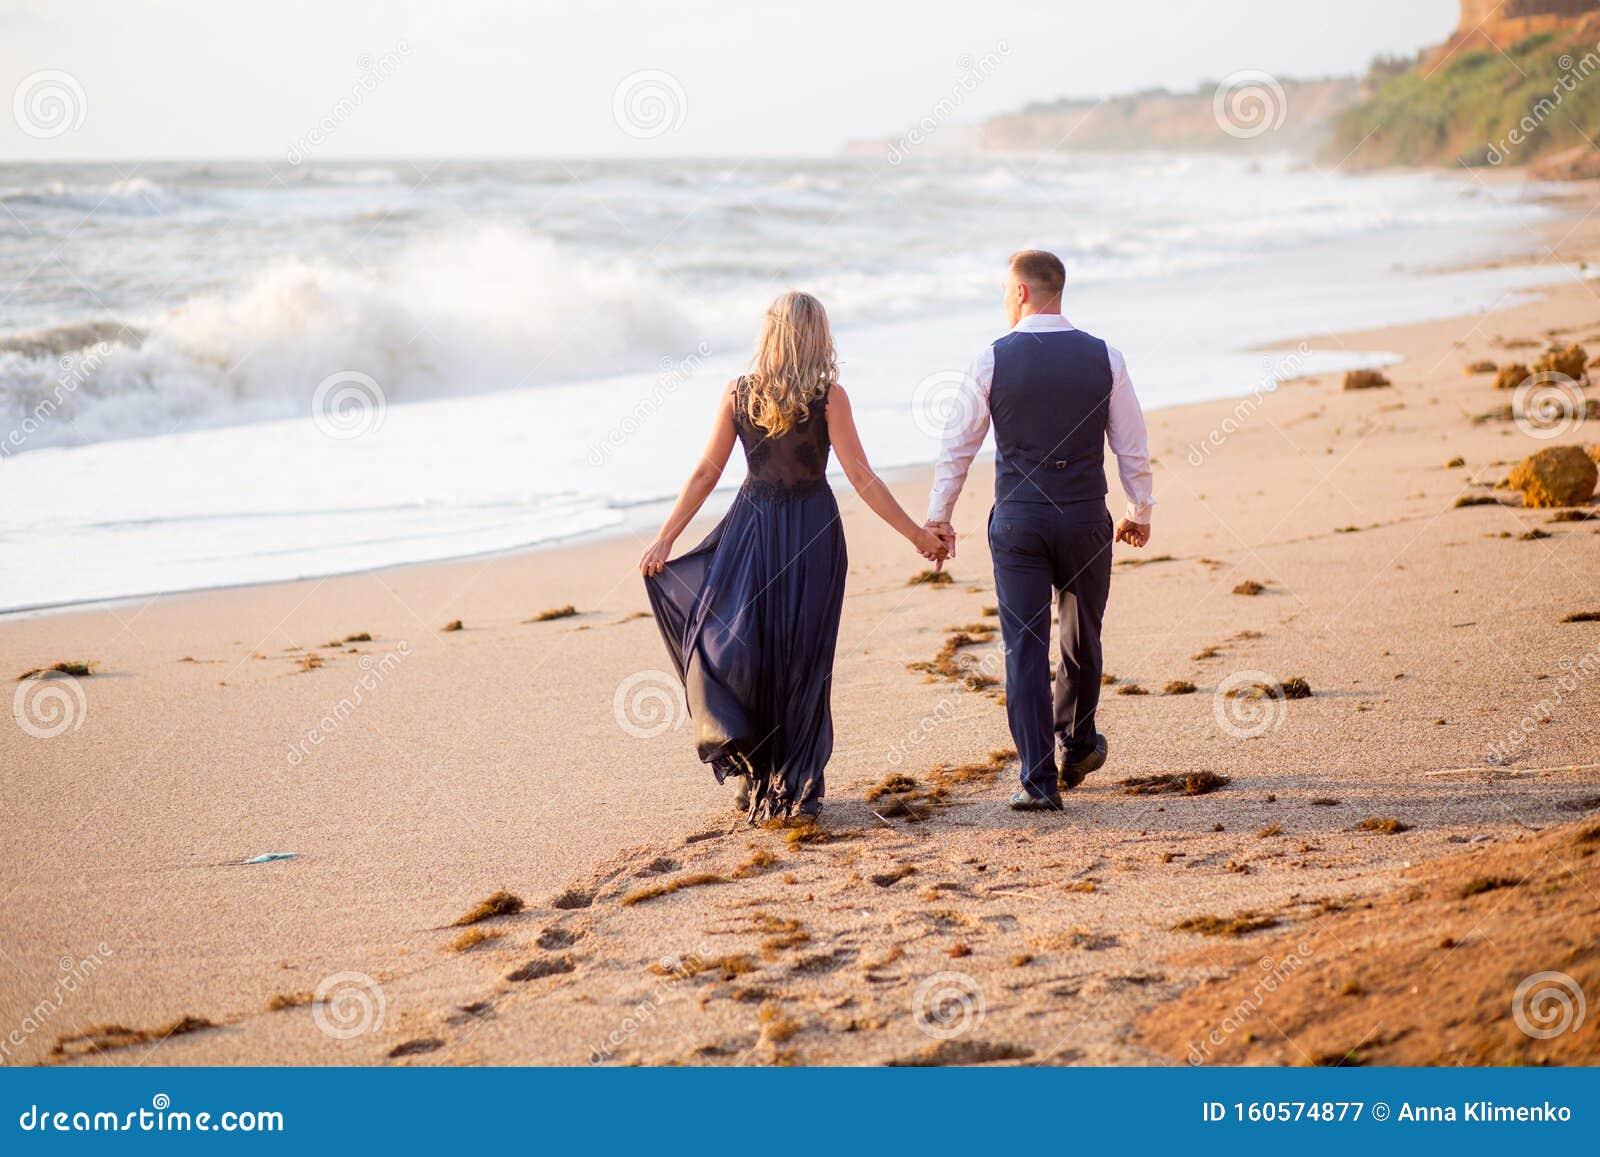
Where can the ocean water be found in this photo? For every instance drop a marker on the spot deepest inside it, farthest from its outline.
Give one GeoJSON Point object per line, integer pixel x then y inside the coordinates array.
{"type": "Point", "coordinates": [230, 373]}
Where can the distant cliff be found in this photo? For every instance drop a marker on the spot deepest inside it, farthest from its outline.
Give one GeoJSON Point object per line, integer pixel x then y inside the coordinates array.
{"type": "Point", "coordinates": [1522, 88]}
{"type": "Point", "coordinates": [1502, 23]}
{"type": "Point", "coordinates": [1248, 111]}
{"type": "Point", "coordinates": [1516, 83]}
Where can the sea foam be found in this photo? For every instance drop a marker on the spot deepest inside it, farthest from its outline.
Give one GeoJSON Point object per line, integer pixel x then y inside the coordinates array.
{"type": "Point", "coordinates": [459, 312]}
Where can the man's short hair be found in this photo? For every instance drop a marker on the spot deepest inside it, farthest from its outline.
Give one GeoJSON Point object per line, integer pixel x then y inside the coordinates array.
{"type": "Point", "coordinates": [1042, 272]}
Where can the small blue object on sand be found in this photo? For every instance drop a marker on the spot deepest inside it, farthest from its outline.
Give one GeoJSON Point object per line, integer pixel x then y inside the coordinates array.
{"type": "Point", "coordinates": [268, 857]}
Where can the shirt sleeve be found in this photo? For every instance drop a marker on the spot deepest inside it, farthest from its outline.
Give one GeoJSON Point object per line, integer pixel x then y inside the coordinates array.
{"type": "Point", "coordinates": [1130, 443]}
{"type": "Point", "coordinates": [965, 427]}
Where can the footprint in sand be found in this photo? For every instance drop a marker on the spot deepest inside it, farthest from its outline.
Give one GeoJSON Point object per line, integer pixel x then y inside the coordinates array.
{"type": "Point", "coordinates": [824, 962]}
{"type": "Point", "coordinates": [467, 1013]}
{"type": "Point", "coordinates": [894, 876]}
{"type": "Point", "coordinates": [544, 966]}
{"type": "Point", "coordinates": [554, 939]}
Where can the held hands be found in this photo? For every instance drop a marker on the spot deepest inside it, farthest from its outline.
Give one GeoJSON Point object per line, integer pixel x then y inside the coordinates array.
{"type": "Point", "coordinates": [655, 556]}
{"type": "Point", "coordinates": [937, 542]}
{"type": "Point", "coordinates": [1135, 534]}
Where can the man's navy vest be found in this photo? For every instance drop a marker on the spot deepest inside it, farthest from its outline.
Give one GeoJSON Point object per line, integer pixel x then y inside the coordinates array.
{"type": "Point", "coordinates": [1050, 401]}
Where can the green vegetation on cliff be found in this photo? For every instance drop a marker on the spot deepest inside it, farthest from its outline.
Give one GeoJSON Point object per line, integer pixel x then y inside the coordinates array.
{"type": "Point", "coordinates": [1538, 98]}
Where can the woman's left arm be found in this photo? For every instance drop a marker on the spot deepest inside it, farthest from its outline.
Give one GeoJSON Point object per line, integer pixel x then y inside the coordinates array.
{"type": "Point", "coordinates": [702, 481]}
{"type": "Point", "coordinates": [853, 457]}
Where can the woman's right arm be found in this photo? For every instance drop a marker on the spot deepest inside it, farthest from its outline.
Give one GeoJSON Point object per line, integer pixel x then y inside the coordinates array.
{"type": "Point", "coordinates": [702, 481]}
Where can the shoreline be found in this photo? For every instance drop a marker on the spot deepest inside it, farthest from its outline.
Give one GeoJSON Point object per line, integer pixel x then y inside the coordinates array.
{"type": "Point", "coordinates": [500, 756]}
{"type": "Point", "coordinates": [638, 515]}
{"type": "Point", "coordinates": [366, 518]}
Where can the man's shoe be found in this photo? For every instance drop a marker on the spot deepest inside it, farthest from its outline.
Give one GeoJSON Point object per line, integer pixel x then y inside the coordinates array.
{"type": "Point", "coordinates": [1076, 765]}
{"type": "Point", "coordinates": [809, 810]}
{"type": "Point", "coordinates": [741, 801]}
{"type": "Point", "coordinates": [1023, 802]}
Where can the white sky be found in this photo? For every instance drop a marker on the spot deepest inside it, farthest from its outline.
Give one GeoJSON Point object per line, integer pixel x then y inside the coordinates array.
{"type": "Point", "coordinates": [248, 78]}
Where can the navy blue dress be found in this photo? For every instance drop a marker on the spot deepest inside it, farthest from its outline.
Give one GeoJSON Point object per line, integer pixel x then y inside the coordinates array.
{"type": "Point", "coordinates": [751, 618]}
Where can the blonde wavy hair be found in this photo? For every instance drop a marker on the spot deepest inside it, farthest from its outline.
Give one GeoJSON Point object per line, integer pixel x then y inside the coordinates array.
{"type": "Point", "coordinates": [793, 366]}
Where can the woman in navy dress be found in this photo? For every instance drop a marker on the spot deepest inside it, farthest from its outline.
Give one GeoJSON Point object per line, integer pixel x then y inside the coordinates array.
{"type": "Point", "coordinates": [751, 615]}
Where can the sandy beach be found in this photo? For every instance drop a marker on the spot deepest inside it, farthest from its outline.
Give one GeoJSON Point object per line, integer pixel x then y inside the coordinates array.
{"type": "Point", "coordinates": [414, 771]}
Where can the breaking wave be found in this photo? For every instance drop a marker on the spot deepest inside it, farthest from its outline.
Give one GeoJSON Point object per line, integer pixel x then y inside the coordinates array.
{"type": "Point", "coordinates": [457, 313]}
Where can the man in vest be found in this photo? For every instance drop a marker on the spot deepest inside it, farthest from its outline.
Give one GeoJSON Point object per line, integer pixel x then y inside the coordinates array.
{"type": "Point", "coordinates": [1056, 396]}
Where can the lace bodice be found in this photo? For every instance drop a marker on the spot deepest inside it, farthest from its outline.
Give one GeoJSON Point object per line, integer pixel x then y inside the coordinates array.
{"type": "Point", "coordinates": [793, 462]}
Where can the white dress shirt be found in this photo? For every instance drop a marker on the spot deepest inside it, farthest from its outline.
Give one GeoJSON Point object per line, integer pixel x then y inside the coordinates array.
{"type": "Point", "coordinates": [968, 425]}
